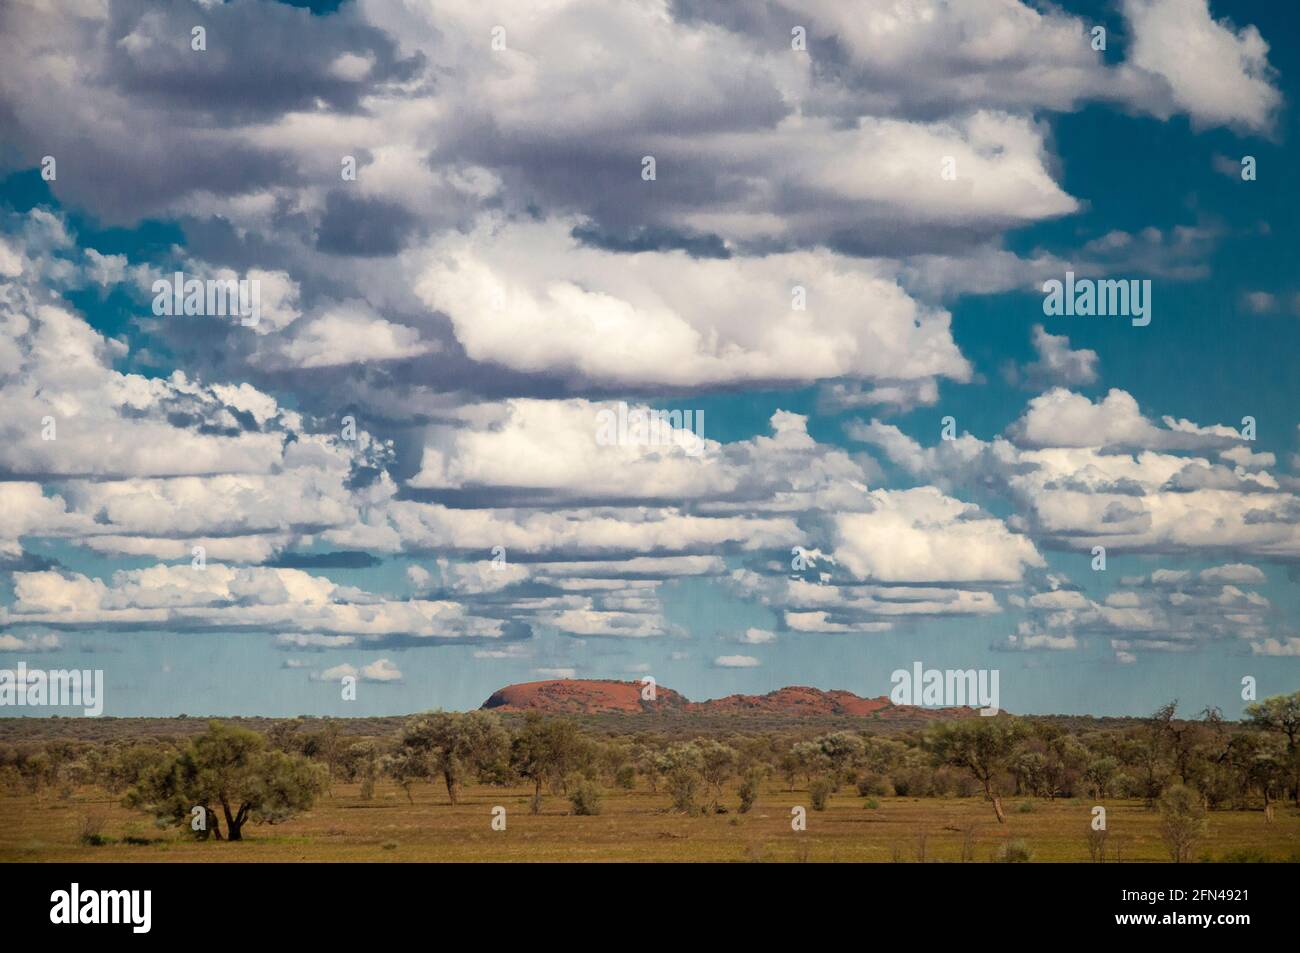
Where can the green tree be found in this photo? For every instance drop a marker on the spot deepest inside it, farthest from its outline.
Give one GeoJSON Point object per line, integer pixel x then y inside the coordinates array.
{"type": "Point", "coordinates": [682, 767]}
{"type": "Point", "coordinates": [718, 766]}
{"type": "Point", "coordinates": [452, 744]}
{"type": "Point", "coordinates": [586, 798]}
{"type": "Point", "coordinates": [1182, 821]}
{"type": "Point", "coordinates": [230, 768]}
{"type": "Point", "coordinates": [1098, 774]}
{"type": "Point", "coordinates": [844, 750]}
{"type": "Point", "coordinates": [810, 760]}
{"type": "Point", "coordinates": [750, 785]}
{"type": "Point", "coordinates": [820, 791]}
{"type": "Point", "coordinates": [547, 750]}
{"type": "Point", "coordinates": [1281, 713]}
{"type": "Point", "coordinates": [983, 746]}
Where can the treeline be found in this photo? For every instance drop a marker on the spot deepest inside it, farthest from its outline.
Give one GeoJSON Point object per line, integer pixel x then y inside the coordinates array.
{"type": "Point", "coordinates": [229, 776]}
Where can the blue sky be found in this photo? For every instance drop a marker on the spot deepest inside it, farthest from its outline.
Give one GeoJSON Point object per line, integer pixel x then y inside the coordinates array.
{"type": "Point", "coordinates": [499, 271]}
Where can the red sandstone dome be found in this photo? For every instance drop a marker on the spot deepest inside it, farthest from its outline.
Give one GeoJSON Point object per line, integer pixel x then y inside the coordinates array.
{"type": "Point", "coordinates": [573, 696]}
{"type": "Point", "coordinates": [582, 696]}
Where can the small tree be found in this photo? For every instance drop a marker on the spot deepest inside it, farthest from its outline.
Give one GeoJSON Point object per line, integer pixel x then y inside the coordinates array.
{"type": "Point", "coordinates": [1097, 843]}
{"type": "Point", "coordinates": [749, 788]}
{"type": "Point", "coordinates": [453, 743]}
{"type": "Point", "coordinates": [719, 764]}
{"type": "Point", "coordinates": [547, 750]}
{"type": "Point", "coordinates": [844, 750]}
{"type": "Point", "coordinates": [809, 759]}
{"type": "Point", "coordinates": [1098, 774]}
{"type": "Point", "coordinates": [405, 766]}
{"type": "Point", "coordinates": [230, 768]}
{"type": "Point", "coordinates": [586, 798]}
{"type": "Point", "coordinates": [1281, 714]}
{"type": "Point", "coordinates": [983, 746]}
{"type": "Point", "coordinates": [682, 767]}
{"type": "Point", "coordinates": [820, 791]}
{"type": "Point", "coordinates": [1182, 821]}
{"type": "Point", "coordinates": [363, 765]}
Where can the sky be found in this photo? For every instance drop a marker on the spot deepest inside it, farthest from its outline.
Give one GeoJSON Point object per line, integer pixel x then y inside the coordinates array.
{"type": "Point", "coordinates": [397, 468]}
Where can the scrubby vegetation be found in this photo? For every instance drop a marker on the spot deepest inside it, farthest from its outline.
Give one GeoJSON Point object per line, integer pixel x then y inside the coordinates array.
{"type": "Point", "coordinates": [1180, 770]}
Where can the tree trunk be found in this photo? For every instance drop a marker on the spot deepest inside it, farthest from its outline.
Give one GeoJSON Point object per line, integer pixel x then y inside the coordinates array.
{"type": "Point", "coordinates": [997, 801]}
{"type": "Point", "coordinates": [213, 821]}
{"type": "Point", "coordinates": [232, 824]}
{"type": "Point", "coordinates": [997, 808]}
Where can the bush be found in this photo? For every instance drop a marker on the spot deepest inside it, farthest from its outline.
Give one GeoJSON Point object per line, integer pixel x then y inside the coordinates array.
{"type": "Point", "coordinates": [872, 804]}
{"type": "Point", "coordinates": [874, 785]}
{"type": "Point", "coordinates": [820, 791]}
{"type": "Point", "coordinates": [749, 791]}
{"type": "Point", "coordinates": [1097, 844]}
{"type": "Point", "coordinates": [1182, 821]}
{"type": "Point", "coordinates": [91, 834]}
{"type": "Point", "coordinates": [1014, 852]}
{"type": "Point", "coordinates": [914, 782]}
{"type": "Point", "coordinates": [963, 785]}
{"type": "Point", "coordinates": [1125, 786]}
{"type": "Point", "coordinates": [1245, 855]}
{"type": "Point", "coordinates": [625, 777]}
{"type": "Point", "coordinates": [585, 799]}
{"type": "Point", "coordinates": [1025, 807]}
{"type": "Point", "coordinates": [684, 789]}
{"type": "Point", "coordinates": [682, 767]}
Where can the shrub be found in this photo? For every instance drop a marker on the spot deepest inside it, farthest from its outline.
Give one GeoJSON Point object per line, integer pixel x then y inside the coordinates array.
{"type": "Point", "coordinates": [682, 767]}
{"type": "Point", "coordinates": [914, 782]}
{"type": "Point", "coordinates": [1025, 807]}
{"type": "Point", "coordinates": [91, 834]}
{"type": "Point", "coordinates": [586, 798]}
{"type": "Point", "coordinates": [625, 777]}
{"type": "Point", "coordinates": [874, 785]}
{"type": "Point", "coordinates": [684, 789]}
{"type": "Point", "coordinates": [872, 804]}
{"type": "Point", "coordinates": [1097, 844]}
{"type": "Point", "coordinates": [963, 785]}
{"type": "Point", "coordinates": [1245, 855]}
{"type": "Point", "coordinates": [1014, 852]}
{"type": "Point", "coordinates": [1125, 786]}
{"type": "Point", "coordinates": [820, 791]}
{"type": "Point", "coordinates": [1182, 821]}
{"type": "Point", "coordinates": [749, 791]}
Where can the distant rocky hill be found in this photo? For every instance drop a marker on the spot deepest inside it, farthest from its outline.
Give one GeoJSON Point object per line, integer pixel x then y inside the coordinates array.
{"type": "Point", "coordinates": [575, 696]}
{"type": "Point", "coordinates": [571, 696]}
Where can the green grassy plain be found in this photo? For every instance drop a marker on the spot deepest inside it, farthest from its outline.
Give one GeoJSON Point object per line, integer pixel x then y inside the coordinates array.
{"type": "Point", "coordinates": [633, 826]}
